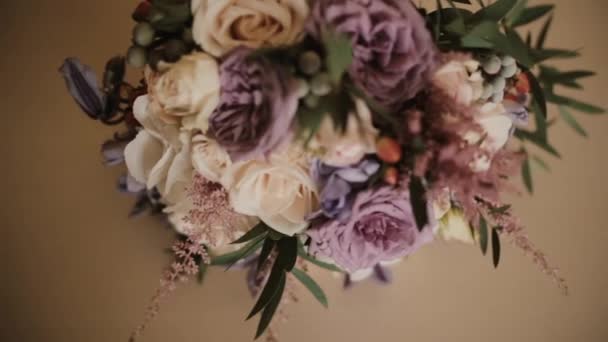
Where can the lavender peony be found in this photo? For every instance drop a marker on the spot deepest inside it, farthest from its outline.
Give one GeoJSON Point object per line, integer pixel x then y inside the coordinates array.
{"type": "Point", "coordinates": [258, 103]}
{"type": "Point", "coordinates": [381, 228]}
{"type": "Point", "coordinates": [394, 53]}
{"type": "Point", "coordinates": [339, 184]}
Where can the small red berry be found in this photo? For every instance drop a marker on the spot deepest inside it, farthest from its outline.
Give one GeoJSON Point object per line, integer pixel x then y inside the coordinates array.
{"type": "Point", "coordinates": [388, 150]}
{"type": "Point", "coordinates": [391, 176]}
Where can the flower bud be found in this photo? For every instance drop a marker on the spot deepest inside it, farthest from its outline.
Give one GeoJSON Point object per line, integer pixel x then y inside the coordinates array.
{"type": "Point", "coordinates": [523, 83]}
{"type": "Point", "coordinates": [388, 150]}
{"type": "Point", "coordinates": [508, 61]}
{"type": "Point", "coordinates": [391, 176]}
{"type": "Point", "coordinates": [143, 34]}
{"type": "Point", "coordinates": [321, 85]}
{"type": "Point", "coordinates": [492, 65]}
{"type": "Point", "coordinates": [499, 84]}
{"type": "Point", "coordinates": [309, 63]}
{"type": "Point", "coordinates": [498, 97]}
{"type": "Point", "coordinates": [303, 88]}
{"type": "Point", "coordinates": [509, 71]}
{"type": "Point", "coordinates": [137, 56]}
{"type": "Point", "coordinates": [488, 91]}
{"type": "Point", "coordinates": [311, 101]}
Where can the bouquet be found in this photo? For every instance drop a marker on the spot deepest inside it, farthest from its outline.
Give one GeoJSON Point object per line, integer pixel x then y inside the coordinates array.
{"type": "Point", "coordinates": [279, 135]}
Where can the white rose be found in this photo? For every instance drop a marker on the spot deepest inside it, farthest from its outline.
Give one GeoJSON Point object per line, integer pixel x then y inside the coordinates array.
{"type": "Point", "coordinates": [461, 80]}
{"type": "Point", "coordinates": [221, 25]}
{"type": "Point", "coordinates": [159, 156]}
{"type": "Point", "coordinates": [347, 148]}
{"type": "Point", "coordinates": [187, 91]}
{"type": "Point", "coordinates": [209, 158]}
{"type": "Point", "coordinates": [279, 191]}
{"type": "Point", "coordinates": [496, 125]}
{"type": "Point", "coordinates": [454, 226]}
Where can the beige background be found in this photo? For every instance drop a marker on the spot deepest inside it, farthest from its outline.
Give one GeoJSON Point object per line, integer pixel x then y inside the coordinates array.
{"type": "Point", "coordinates": [74, 268]}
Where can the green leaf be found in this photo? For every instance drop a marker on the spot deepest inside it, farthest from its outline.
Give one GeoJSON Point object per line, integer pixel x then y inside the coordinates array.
{"type": "Point", "coordinates": [233, 257]}
{"type": "Point", "coordinates": [311, 285]}
{"type": "Point", "coordinates": [495, 247]}
{"type": "Point", "coordinates": [265, 253]}
{"type": "Point", "coordinates": [483, 234]}
{"type": "Point", "coordinates": [541, 55]}
{"type": "Point", "coordinates": [259, 230]}
{"type": "Point", "coordinates": [531, 14]}
{"type": "Point", "coordinates": [571, 121]}
{"type": "Point", "coordinates": [288, 253]}
{"type": "Point", "coordinates": [302, 253]}
{"type": "Point", "coordinates": [339, 52]}
{"type": "Point", "coordinates": [494, 12]}
{"type": "Point", "coordinates": [538, 93]}
{"type": "Point", "coordinates": [202, 271]}
{"type": "Point", "coordinates": [541, 163]}
{"type": "Point", "coordinates": [272, 287]}
{"type": "Point", "coordinates": [527, 175]}
{"type": "Point", "coordinates": [419, 203]}
{"type": "Point", "coordinates": [516, 12]}
{"type": "Point", "coordinates": [575, 104]}
{"type": "Point", "coordinates": [271, 308]}
{"type": "Point", "coordinates": [246, 251]}
{"type": "Point", "coordinates": [538, 141]}
{"type": "Point", "coordinates": [542, 37]}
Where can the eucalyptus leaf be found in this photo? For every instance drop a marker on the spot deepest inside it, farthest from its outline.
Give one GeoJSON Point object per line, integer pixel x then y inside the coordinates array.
{"type": "Point", "coordinates": [494, 12]}
{"type": "Point", "coordinates": [288, 253]}
{"type": "Point", "coordinates": [265, 253]}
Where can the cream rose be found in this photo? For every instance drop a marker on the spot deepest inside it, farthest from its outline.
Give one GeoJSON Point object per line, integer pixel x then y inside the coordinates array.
{"type": "Point", "coordinates": [496, 125]}
{"type": "Point", "coordinates": [187, 91]}
{"type": "Point", "coordinates": [221, 25]}
{"type": "Point", "coordinates": [347, 148]}
{"type": "Point", "coordinates": [209, 158]}
{"type": "Point", "coordinates": [462, 80]}
{"type": "Point", "coordinates": [159, 156]}
{"type": "Point", "coordinates": [454, 227]}
{"type": "Point", "coordinates": [279, 191]}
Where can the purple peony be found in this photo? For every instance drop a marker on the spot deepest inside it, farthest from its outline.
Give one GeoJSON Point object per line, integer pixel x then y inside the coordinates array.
{"type": "Point", "coordinates": [394, 53]}
{"type": "Point", "coordinates": [339, 184]}
{"type": "Point", "coordinates": [258, 103]}
{"type": "Point", "coordinates": [381, 228]}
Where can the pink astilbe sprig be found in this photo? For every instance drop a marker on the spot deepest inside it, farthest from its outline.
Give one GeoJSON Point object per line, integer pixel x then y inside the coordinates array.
{"type": "Point", "coordinates": [187, 256]}
{"type": "Point", "coordinates": [511, 227]}
{"type": "Point", "coordinates": [210, 209]}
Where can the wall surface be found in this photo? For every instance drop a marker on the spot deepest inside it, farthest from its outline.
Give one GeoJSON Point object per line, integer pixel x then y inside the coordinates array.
{"type": "Point", "coordinates": [74, 268]}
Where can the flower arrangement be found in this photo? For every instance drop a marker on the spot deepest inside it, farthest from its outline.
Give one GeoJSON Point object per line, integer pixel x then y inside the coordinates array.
{"type": "Point", "coordinates": [346, 134]}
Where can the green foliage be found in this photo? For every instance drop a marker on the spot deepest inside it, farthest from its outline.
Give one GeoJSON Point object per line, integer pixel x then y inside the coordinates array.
{"type": "Point", "coordinates": [339, 54]}
{"type": "Point", "coordinates": [419, 202]}
{"type": "Point", "coordinates": [311, 285]}
{"type": "Point", "coordinates": [495, 246]}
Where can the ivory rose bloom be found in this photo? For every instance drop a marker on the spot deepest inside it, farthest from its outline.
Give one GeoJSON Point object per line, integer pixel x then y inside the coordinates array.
{"type": "Point", "coordinates": [496, 125]}
{"type": "Point", "coordinates": [461, 80]}
{"type": "Point", "coordinates": [221, 25]}
{"type": "Point", "coordinates": [279, 191]}
{"type": "Point", "coordinates": [159, 156]}
{"type": "Point", "coordinates": [187, 91]}
{"type": "Point", "coordinates": [453, 226]}
{"type": "Point", "coordinates": [348, 148]}
{"type": "Point", "coordinates": [209, 158]}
